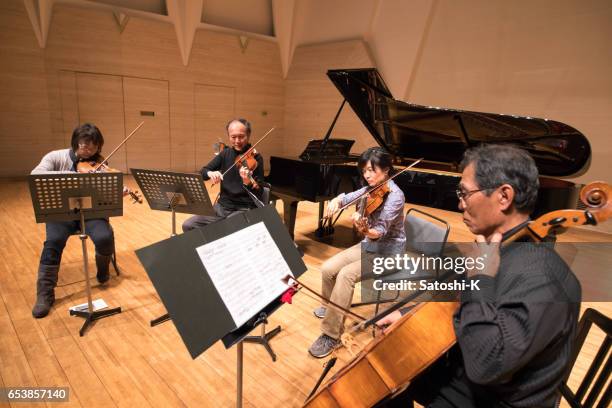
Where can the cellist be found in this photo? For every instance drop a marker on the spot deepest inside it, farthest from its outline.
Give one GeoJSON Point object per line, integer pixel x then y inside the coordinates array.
{"type": "Point", "coordinates": [86, 145]}
{"type": "Point", "coordinates": [383, 232]}
{"type": "Point", "coordinates": [514, 335]}
{"type": "Point", "coordinates": [238, 180]}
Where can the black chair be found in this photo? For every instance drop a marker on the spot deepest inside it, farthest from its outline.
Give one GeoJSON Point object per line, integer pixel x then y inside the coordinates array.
{"type": "Point", "coordinates": [425, 234]}
{"type": "Point", "coordinates": [593, 385]}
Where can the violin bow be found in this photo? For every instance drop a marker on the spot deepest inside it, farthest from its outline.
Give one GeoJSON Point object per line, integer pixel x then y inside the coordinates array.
{"type": "Point", "coordinates": [103, 162]}
{"type": "Point", "coordinates": [249, 150]}
{"type": "Point", "coordinates": [373, 189]}
{"type": "Point", "coordinates": [287, 280]}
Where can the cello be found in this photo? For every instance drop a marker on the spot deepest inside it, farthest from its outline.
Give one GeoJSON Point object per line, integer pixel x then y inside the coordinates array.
{"type": "Point", "coordinates": [380, 371]}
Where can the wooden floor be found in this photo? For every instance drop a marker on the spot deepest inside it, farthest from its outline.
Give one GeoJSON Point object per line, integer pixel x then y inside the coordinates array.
{"type": "Point", "coordinates": [124, 362]}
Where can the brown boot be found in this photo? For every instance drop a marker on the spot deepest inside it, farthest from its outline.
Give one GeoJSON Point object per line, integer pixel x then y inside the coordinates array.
{"type": "Point", "coordinates": [45, 294]}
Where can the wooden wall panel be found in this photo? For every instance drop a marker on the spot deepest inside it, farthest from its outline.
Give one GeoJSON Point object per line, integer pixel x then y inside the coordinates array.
{"type": "Point", "coordinates": [70, 104]}
{"type": "Point", "coordinates": [88, 41]}
{"type": "Point", "coordinates": [311, 100]}
{"type": "Point", "coordinates": [214, 106]}
{"type": "Point", "coordinates": [100, 101]}
{"type": "Point", "coordinates": [24, 109]}
{"type": "Point", "coordinates": [150, 147]}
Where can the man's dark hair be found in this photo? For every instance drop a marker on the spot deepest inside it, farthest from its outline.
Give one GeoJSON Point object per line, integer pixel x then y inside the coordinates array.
{"type": "Point", "coordinates": [245, 122]}
{"type": "Point", "coordinates": [379, 157]}
{"type": "Point", "coordinates": [505, 164]}
{"type": "Point", "coordinates": [87, 132]}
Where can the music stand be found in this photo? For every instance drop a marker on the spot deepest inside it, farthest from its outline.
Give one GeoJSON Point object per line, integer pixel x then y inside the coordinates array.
{"type": "Point", "coordinates": [202, 310]}
{"type": "Point", "coordinates": [175, 192]}
{"type": "Point", "coordinates": [74, 196]}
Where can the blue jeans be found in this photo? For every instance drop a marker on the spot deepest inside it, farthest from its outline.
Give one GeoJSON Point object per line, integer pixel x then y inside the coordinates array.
{"type": "Point", "coordinates": [99, 230]}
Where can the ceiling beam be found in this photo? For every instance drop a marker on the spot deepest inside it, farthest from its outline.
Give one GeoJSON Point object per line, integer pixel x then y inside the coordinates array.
{"type": "Point", "coordinates": [185, 15]}
{"type": "Point", "coordinates": [39, 12]}
{"type": "Point", "coordinates": [283, 12]}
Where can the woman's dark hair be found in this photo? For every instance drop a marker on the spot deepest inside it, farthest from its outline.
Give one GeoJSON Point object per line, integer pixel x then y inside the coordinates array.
{"type": "Point", "coordinates": [245, 122]}
{"type": "Point", "coordinates": [87, 132]}
{"type": "Point", "coordinates": [379, 157]}
{"type": "Point", "coordinates": [505, 164]}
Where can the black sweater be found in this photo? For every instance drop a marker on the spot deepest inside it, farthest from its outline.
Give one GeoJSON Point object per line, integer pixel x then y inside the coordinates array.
{"type": "Point", "coordinates": [516, 333]}
{"type": "Point", "coordinates": [233, 194]}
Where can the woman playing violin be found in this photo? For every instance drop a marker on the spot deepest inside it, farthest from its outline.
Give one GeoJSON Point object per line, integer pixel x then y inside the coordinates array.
{"type": "Point", "coordinates": [86, 145]}
{"type": "Point", "coordinates": [383, 232]}
{"type": "Point", "coordinates": [515, 333]}
{"type": "Point", "coordinates": [236, 179]}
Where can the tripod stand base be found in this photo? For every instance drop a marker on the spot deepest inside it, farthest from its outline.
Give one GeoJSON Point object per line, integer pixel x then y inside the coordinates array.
{"type": "Point", "coordinates": [160, 320]}
{"type": "Point", "coordinates": [265, 340]}
{"type": "Point", "coordinates": [90, 317]}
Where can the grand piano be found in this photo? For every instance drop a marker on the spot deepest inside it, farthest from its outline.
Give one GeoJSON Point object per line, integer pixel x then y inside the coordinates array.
{"type": "Point", "coordinates": [439, 135]}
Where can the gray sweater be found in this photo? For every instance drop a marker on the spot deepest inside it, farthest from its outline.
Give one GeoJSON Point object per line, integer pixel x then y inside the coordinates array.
{"type": "Point", "coordinates": [57, 161]}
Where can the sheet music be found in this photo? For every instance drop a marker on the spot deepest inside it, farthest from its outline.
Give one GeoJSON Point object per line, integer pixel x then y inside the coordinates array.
{"type": "Point", "coordinates": [246, 268]}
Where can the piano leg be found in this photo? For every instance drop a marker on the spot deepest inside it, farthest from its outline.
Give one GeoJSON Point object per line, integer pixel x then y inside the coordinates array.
{"type": "Point", "coordinates": [289, 213]}
{"type": "Point", "coordinates": [322, 231]}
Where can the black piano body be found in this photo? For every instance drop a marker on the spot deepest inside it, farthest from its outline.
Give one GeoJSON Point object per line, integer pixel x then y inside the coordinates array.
{"type": "Point", "coordinates": [441, 136]}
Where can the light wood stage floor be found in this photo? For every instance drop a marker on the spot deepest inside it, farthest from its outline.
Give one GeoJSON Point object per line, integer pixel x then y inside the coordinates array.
{"type": "Point", "coordinates": [122, 361]}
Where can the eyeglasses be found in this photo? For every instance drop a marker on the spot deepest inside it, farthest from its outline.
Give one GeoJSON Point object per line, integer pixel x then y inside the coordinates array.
{"type": "Point", "coordinates": [464, 195]}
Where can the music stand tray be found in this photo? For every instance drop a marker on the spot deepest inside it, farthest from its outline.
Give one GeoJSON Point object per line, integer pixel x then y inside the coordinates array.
{"type": "Point", "coordinates": [74, 196]}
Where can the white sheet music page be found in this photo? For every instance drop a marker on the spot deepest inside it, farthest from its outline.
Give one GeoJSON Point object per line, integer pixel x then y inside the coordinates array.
{"type": "Point", "coordinates": [246, 268]}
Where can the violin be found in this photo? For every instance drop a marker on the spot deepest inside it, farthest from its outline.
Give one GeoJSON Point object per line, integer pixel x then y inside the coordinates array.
{"type": "Point", "coordinates": [369, 201]}
{"type": "Point", "coordinates": [373, 200]}
{"type": "Point", "coordinates": [247, 159]}
{"type": "Point", "coordinates": [98, 164]}
{"type": "Point", "coordinates": [378, 371]}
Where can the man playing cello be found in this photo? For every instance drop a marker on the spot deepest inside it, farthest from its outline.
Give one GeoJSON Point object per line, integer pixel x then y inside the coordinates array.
{"type": "Point", "coordinates": [514, 335]}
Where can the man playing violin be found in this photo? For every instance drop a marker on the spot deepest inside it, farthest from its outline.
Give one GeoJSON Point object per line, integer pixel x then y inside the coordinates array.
{"type": "Point", "coordinates": [237, 183]}
{"type": "Point", "coordinates": [86, 145]}
{"type": "Point", "coordinates": [383, 232]}
{"type": "Point", "coordinates": [514, 335]}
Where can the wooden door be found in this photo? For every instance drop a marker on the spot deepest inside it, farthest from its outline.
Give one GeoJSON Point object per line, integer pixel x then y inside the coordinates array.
{"type": "Point", "coordinates": [147, 100]}
{"type": "Point", "coordinates": [100, 101]}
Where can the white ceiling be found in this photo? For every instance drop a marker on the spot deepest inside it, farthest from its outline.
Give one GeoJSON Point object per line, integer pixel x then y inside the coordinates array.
{"type": "Point", "coordinates": [315, 20]}
{"type": "Point", "coordinates": [291, 23]}
{"type": "Point", "coordinates": [252, 16]}
{"type": "Point", "coordinates": [319, 21]}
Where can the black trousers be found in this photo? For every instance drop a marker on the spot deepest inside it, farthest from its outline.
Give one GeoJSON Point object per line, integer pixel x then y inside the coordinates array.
{"type": "Point", "coordinates": [99, 230]}
{"type": "Point", "coordinates": [442, 385]}
{"type": "Point", "coordinates": [222, 212]}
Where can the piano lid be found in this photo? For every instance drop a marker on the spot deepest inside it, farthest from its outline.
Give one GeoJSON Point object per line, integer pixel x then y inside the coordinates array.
{"type": "Point", "coordinates": [442, 135]}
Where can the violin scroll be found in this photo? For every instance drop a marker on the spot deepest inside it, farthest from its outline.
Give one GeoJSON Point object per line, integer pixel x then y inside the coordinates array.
{"type": "Point", "coordinates": [135, 196]}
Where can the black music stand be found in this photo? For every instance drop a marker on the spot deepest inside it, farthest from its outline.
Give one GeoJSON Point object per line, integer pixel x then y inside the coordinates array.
{"type": "Point", "coordinates": [175, 192]}
{"type": "Point", "coordinates": [74, 196]}
{"type": "Point", "coordinates": [201, 309]}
